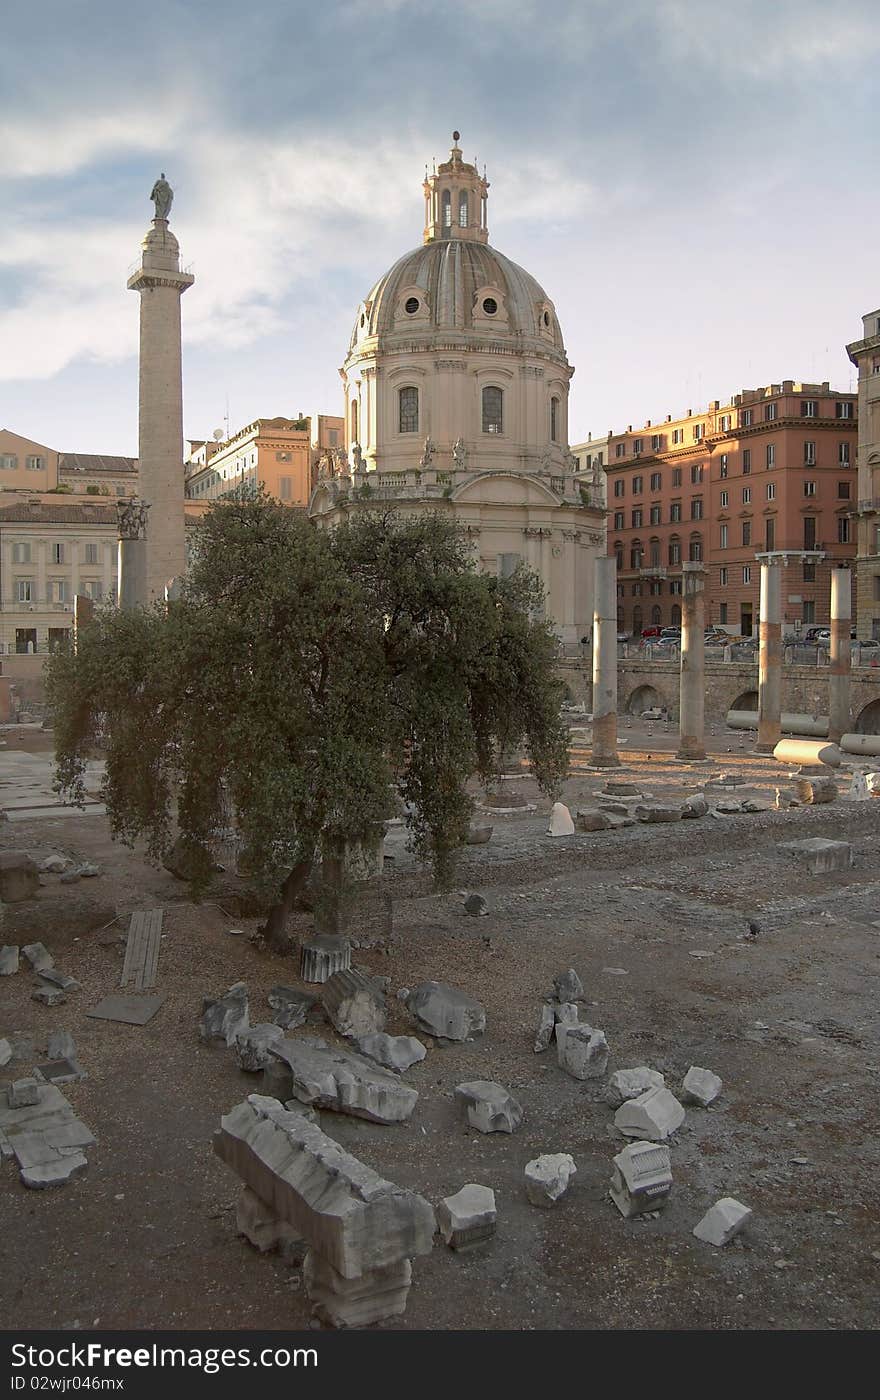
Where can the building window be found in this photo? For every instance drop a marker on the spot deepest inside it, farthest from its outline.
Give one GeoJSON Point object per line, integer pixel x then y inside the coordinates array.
{"type": "Point", "coordinates": [618, 520]}
{"type": "Point", "coordinates": [655, 515]}
{"type": "Point", "coordinates": [675, 592]}
{"type": "Point", "coordinates": [843, 490]}
{"type": "Point", "coordinates": [877, 588]}
{"type": "Point", "coordinates": [635, 557]}
{"type": "Point", "coordinates": [508, 565]}
{"type": "Point", "coordinates": [554, 420]}
{"type": "Point", "coordinates": [722, 540]}
{"type": "Point", "coordinates": [332, 437]}
{"type": "Point", "coordinates": [58, 554]}
{"type": "Point", "coordinates": [446, 208]}
{"type": "Point", "coordinates": [696, 475]}
{"type": "Point", "coordinates": [809, 532]}
{"type": "Point", "coordinates": [638, 446]}
{"type": "Point", "coordinates": [843, 410]}
{"type": "Point", "coordinates": [35, 464]}
{"type": "Point", "coordinates": [285, 488]}
{"type": "Point", "coordinates": [655, 481]}
{"type": "Point", "coordinates": [655, 442]}
{"type": "Point", "coordinates": [809, 571]}
{"type": "Point", "coordinates": [620, 487]}
{"type": "Point", "coordinates": [724, 500]}
{"type": "Point", "coordinates": [677, 436]}
{"type": "Point", "coordinates": [809, 454]}
{"type": "Point", "coordinates": [354, 421]}
{"type": "Point", "coordinates": [745, 418]}
{"type": "Point", "coordinates": [675, 550]}
{"type": "Point", "coordinates": [722, 612]}
{"type": "Point", "coordinates": [91, 555]}
{"type": "Point", "coordinates": [675, 513]}
{"type": "Point", "coordinates": [408, 409]}
{"type": "Point", "coordinates": [843, 454]}
{"type": "Point", "coordinates": [121, 491]}
{"type": "Point", "coordinates": [697, 509]}
{"type": "Point", "coordinates": [618, 555]}
{"type": "Point", "coordinates": [463, 209]}
{"type": "Point", "coordinates": [809, 408]}
{"type": "Point", "coordinates": [21, 554]}
{"type": "Point", "coordinates": [746, 533]}
{"type": "Point", "coordinates": [620, 449]}
{"type": "Point", "coordinates": [747, 573]}
{"type": "Point", "coordinates": [722, 579]}
{"type": "Point", "coordinates": [23, 590]}
{"type": "Point", "coordinates": [770, 412]}
{"type": "Point", "coordinates": [809, 611]}
{"type": "Point", "coordinates": [57, 591]}
{"type": "Point", "coordinates": [771, 456]}
{"type": "Point", "coordinates": [637, 486]}
{"type": "Point", "coordinates": [770, 533]}
{"type": "Point", "coordinates": [771, 490]}
{"type": "Point", "coordinates": [724, 423]}
{"type": "Point", "coordinates": [809, 488]}
{"type": "Point", "coordinates": [676, 476]}
{"type": "Point", "coordinates": [723, 465]}
{"type": "Point", "coordinates": [843, 529]}
{"type": "Point", "coordinates": [747, 495]}
{"type": "Point", "coordinates": [696, 550]}
{"type": "Point", "coordinates": [699, 429]}
{"type": "Point", "coordinates": [8, 462]}
{"type": "Point", "coordinates": [94, 589]}
{"type": "Point", "coordinates": [493, 409]}
{"type": "Point", "coordinates": [636, 519]}
{"type": "Point", "coordinates": [655, 556]}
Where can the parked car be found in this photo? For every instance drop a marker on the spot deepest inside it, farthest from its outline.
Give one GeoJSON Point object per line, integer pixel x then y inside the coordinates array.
{"type": "Point", "coordinates": [623, 636]}
{"type": "Point", "coordinates": [668, 641]}
{"type": "Point", "coordinates": [648, 634]}
{"type": "Point", "coordinates": [715, 636]}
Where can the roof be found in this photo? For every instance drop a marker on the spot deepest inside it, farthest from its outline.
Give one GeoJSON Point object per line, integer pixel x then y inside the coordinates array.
{"type": "Point", "coordinates": [41, 513]}
{"type": "Point", "coordinates": [90, 462]}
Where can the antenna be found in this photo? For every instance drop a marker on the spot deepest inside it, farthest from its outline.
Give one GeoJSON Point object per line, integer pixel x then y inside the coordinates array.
{"type": "Point", "coordinates": [227, 416]}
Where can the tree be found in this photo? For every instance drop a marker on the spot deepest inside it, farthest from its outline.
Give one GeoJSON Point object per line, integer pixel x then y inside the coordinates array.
{"type": "Point", "coordinates": [300, 672]}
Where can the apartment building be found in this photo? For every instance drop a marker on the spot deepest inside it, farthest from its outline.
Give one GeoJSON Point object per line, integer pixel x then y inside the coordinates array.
{"type": "Point", "coordinates": [279, 454]}
{"type": "Point", "coordinates": [771, 471]}
{"type": "Point", "coordinates": [865, 355]}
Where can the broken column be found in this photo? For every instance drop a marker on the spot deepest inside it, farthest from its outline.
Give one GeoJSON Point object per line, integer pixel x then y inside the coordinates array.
{"type": "Point", "coordinates": [770, 659]}
{"type": "Point", "coordinates": [604, 749]}
{"type": "Point", "coordinates": [840, 661]}
{"type": "Point", "coordinates": [691, 742]}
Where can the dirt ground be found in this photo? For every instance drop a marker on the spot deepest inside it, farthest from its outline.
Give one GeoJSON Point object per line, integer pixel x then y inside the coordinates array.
{"type": "Point", "coordinates": [652, 918]}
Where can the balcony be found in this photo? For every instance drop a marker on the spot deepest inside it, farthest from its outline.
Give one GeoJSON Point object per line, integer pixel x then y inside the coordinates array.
{"type": "Point", "coordinates": [871, 506]}
{"type": "Point", "coordinates": [652, 571]}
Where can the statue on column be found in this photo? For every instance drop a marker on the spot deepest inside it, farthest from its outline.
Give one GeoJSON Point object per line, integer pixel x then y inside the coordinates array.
{"type": "Point", "coordinates": [132, 518]}
{"type": "Point", "coordinates": [340, 461]}
{"type": "Point", "coordinates": [459, 454]}
{"type": "Point", "coordinates": [427, 455]}
{"type": "Point", "coordinates": [162, 196]}
{"type": "Point", "coordinates": [357, 456]}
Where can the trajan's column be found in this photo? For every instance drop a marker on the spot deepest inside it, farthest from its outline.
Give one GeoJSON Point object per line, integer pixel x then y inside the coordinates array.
{"type": "Point", "coordinates": [160, 283]}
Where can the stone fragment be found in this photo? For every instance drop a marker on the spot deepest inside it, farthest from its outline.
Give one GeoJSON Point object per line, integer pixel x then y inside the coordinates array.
{"type": "Point", "coordinates": [397, 1052]}
{"type": "Point", "coordinates": [344, 1082]}
{"type": "Point", "coordinates": [186, 859]}
{"type": "Point", "coordinates": [322, 956]}
{"type": "Point", "coordinates": [619, 788]}
{"type": "Point", "coordinates": [490, 1107]}
{"type": "Point", "coordinates": [264, 1229]}
{"type": "Point", "coordinates": [350, 1216]}
{"type": "Point", "coordinates": [695, 807]}
{"type": "Point", "coordinates": [725, 1219]}
{"type": "Point", "coordinates": [654, 1116]}
{"type": "Point", "coordinates": [858, 789]}
{"type": "Point", "coordinates": [227, 1017]}
{"type": "Point", "coordinates": [19, 877]}
{"type": "Point", "coordinates": [565, 1013]}
{"type": "Point", "coordinates": [253, 1046]}
{"type": "Point", "coordinates": [582, 1051]}
{"type": "Point", "coordinates": [445, 1012]}
{"type": "Point", "coordinates": [291, 1007]}
{"type": "Point", "coordinates": [23, 1093]}
{"type": "Point", "coordinates": [567, 986]}
{"type": "Point", "coordinates": [50, 996]}
{"type": "Point", "coordinates": [5, 1052]}
{"type": "Point", "coordinates": [544, 1032]}
{"type": "Point", "coordinates": [642, 1178]}
{"type": "Point", "coordinates": [819, 856]}
{"type": "Point", "coordinates": [700, 1086]}
{"type": "Point", "coordinates": [475, 904]}
{"type": "Point", "coordinates": [61, 1046]}
{"type": "Point", "coordinates": [39, 957]}
{"type": "Point", "coordinates": [71, 877]}
{"type": "Point", "coordinates": [812, 791]}
{"type": "Point", "coordinates": [729, 808]}
{"type": "Point", "coordinates": [479, 834]}
{"type": "Point", "coordinates": [592, 819]}
{"type": "Point", "coordinates": [656, 813]}
{"type": "Point", "coordinates": [356, 1302]}
{"type": "Point", "coordinates": [561, 823]}
{"type": "Point", "coordinates": [87, 871]}
{"type": "Point", "coordinates": [755, 805]}
{"type": "Point", "coordinates": [8, 960]}
{"type": "Point", "coordinates": [547, 1177]}
{"type": "Point", "coordinates": [353, 1003]}
{"type": "Point", "coordinates": [54, 865]}
{"type": "Point", "coordinates": [627, 1084]}
{"type": "Point", "coordinates": [468, 1217]}
{"type": "Point", "coordinates": [54, 978]}
{"type": "Point", "coordinates": [56, 1170]}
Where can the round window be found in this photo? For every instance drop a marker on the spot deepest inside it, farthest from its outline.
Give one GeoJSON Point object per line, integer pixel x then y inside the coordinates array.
{"type": "Point", "coordinates": [546, 318]}
{"type": "Point", "coordinates": [411, 306]}
{"type": "Point", "coordinates": [490, 306]}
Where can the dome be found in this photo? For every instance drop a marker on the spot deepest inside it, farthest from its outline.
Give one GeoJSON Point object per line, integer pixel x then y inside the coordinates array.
{"type": "Point", "coordinates": [461, 286]}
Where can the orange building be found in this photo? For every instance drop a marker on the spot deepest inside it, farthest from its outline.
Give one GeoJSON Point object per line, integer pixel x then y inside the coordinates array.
{"type": "Point", "coordinates": [279, 454]}
{"type": "Point", "coordinates": [772, 471]}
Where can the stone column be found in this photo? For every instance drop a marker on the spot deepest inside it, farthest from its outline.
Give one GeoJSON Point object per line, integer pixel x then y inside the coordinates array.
{"type": "Point", "coordinates": [841, 655]}
{"type": "Point", "coordinates": [131, 574]}
{"type": "Point", "coordinates": [770, 659]}
{"type": "Point", "coordinates": [605, 663]}
{"type": "Point", "coordinates": [692, 694]}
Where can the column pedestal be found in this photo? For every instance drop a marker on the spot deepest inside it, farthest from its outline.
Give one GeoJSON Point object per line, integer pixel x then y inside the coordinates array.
{"type": "Point", "coordinates": [604, 752]}
{"type": "Point", "coordinates": [840, 661]}
{"type": "Point", "coordinates": [770, 660]}
{"type": "Point", "coordinates": [692, 693]}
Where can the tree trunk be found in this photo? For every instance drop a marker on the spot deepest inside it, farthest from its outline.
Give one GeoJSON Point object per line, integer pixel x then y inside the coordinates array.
{"type": "Point", "coordinates": [274, 930]}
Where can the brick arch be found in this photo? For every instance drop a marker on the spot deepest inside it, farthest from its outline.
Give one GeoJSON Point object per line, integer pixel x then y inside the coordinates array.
{"type": "Point", "coordinates": [868, 719]}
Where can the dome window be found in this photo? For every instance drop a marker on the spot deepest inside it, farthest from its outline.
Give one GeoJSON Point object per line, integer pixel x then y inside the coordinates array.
{"type": "Point", "coordinates": [463, 209]}
{"type": "Point", "coordinates": [547, 319]}
{"type": "Point", "coordinates": [554, 420]}
{"type": "Point", "coordinates": [408, 410]}
{"type": "Point", "coordinates": [490, 306]}
{"type": "Point", "coordinates": [493, 408]}
{"type": "Point", "coordinates": [363, 320]}
{"type": "Point", "coordinates": [411, 306]}
{"type": "Point", "coordinates": [446, 203]}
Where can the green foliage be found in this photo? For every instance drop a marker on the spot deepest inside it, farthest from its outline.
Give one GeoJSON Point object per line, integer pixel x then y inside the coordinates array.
{"type": "Point", "coordinates": [293, 675]}
{"type": "Point", "coordinates": [365, 491]}
{"type": "Point", "coordinates": [61, 490]}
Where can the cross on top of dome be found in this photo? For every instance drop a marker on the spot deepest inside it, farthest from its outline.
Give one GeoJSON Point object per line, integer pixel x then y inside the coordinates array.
{"type": "Point", "coordinates": [455, 199]}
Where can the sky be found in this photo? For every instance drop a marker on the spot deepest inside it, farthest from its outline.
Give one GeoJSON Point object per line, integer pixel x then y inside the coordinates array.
{"type": "Point", "coordinates": [694, 185]}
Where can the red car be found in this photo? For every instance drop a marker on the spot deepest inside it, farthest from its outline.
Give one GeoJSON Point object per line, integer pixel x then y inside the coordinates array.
{"type": "Point", "coordinates": [650, 633]}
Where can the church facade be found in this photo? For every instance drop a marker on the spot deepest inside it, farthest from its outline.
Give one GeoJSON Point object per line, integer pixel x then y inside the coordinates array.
{"type": "Point", "coordinates": [456, 399]}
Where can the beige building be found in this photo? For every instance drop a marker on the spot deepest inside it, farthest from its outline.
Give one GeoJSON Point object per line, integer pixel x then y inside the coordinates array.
{"type": "Point", "coordinates": [279, 454]}
{"type": "Point", "coordinates": [865, 355]}
{"type": "Point", "coordinates": [456, 399]}
{"type": "Point", "coordinates": [26, 465]}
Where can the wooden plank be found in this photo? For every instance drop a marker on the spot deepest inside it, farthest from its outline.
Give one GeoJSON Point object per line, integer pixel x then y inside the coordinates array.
{"type": "Point", "coordinates": [151, 954]}
{"type": "Point", "coordinates": [142, 949]}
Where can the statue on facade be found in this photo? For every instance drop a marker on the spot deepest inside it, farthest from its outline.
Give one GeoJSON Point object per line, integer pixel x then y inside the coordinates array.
{"type": "Point", "coordinates": [340, 461]}
{"type": "Point", "coordinates": [427, 455]}
{"type": "Point", "coordinates": [545, 460]}
{"type": "Point", "coordinates": [162, 196]}
{"type": "Point", "coordinates": [357, 457]}
{"type": "Point", "coordinates": [132, 518]}
{"type": "Point", "coordinates": [459, 454]}
{"type": "Point", "coordinates": [325, 466]}
{"type": "Point", "coordinates": [570, 460]}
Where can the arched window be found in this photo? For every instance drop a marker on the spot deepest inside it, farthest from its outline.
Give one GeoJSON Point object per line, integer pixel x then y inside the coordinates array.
{"type": "Point", "coordinates": [408, 405]}
{"type": "Point", "coordinates": [675, 550]}
{"type": "Point", "coordinates": [354, 421]}
{"type": "Point", "coordinates": [554, 420]}
{"type": "Point", "coordinates": [493, 409]}
{"type": "Point", "coordinates": [637, 620]}
{"type": "Point", "coordinates": [618, 554]}
{"type": "Point", "coordinates": [446, 208]}
{"type": "Point", "coordinates": [656, 615]}
{"type": "Point", "coordinates": [463, 209]}
{"type": "Point", "coordinates": [696, 550]}
{"type": "Point", "coordinates": [676, 615]}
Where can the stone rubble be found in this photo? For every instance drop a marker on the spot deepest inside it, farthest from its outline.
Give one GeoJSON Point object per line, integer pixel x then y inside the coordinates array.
{"type": "Point", "coordinates": [656, 813]}
{"type": "Point", "coordinates": [592, 819]}
{"type": "Point", "coordinates": [344, 1082]}
{"type": "Point", "coordinates": [264, 1229]}
{"type": "Point", "coordinates": [59, 979]}
{"type": "Point", "coordinates": [642, 1178]}
{"type": "Point", "coordinates": [23, 1093]}
{"type": "Point", "coordinates": [544, 1033]}
{"type": "Point", "coordinates": [291, 1007]}
{"type": "Point", "coordinates": [700, 1086]}
{"type": "Point", "coordinates": [695, 807]}
{"type": "Point", "coordinates": [490, 1107]}
{"type": "Point", "coordinates": [561, 823]}
{"type": "Point", "coordinates": [54, 865]}
{"type": "Point", "coordinates": [226, 1017]}
{"type": "Point", "coordinates": [819, 856]}
{"type": "Point", "coordinates": [547, 1177]}
{"type": "Point", "coordinates": [469, 1217]}
{"type": "Point", "coordinates": [479, 834]}
{"type": "Point", "coordinates": [445, 1012]}
{"type": "Point", "coordinates": [8, 960]}
{"type": "Point", "coordinates": [627, 1084]}
{"type": "Point", "coordinates": [722, 1222]}
{"type": "Point", "coordinates": [353, 1003]}
{"type": "Point", "coordinates": [50, 996]}
{"type": "Point", "coordinates": [322, 956]}
{"type": "Point", "coordinates": [39, 957]}
{"type": "Point", "coordinates": [5, 1052]}
{"type": "Point", "coordinates": [397, 1052]}
{"type": "Point", "coordinates": [582, 1051]}
{"type": "Point", "coordinates": [475, 904]}
{"type": "Point", "coordinates": [813, 791]}
{"type": "Point", "coordinates": [253, 1046]}
{"type": "Point", "coordinates": [567, 986]}
{"type": "Point", "coordinates": [653, 1116]}
{"type": "Point", "coordinates": [46, 1138]}
{"type": "Point", "coordinates": [19, 877]}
